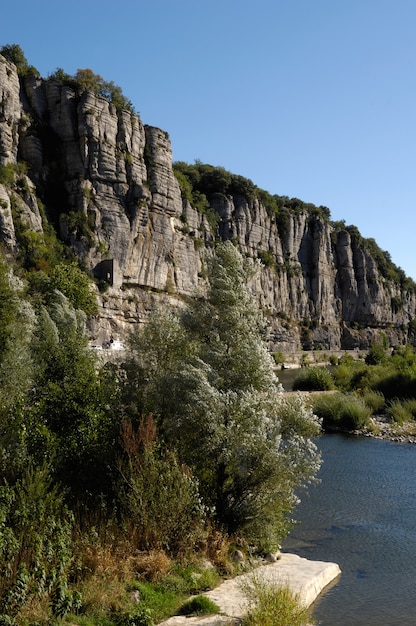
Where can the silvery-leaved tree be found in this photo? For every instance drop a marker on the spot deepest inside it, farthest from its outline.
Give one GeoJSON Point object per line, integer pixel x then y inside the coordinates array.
{"type": "Point", "coordinates": [207, 375]}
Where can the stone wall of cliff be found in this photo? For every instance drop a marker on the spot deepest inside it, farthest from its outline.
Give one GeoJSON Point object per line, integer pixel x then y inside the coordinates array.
{"type": "Point", "coordinates": [107, 185]}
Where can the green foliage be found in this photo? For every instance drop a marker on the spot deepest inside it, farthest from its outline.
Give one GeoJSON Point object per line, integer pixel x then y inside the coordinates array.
{"type": "Point", "coordinates": [200, 182]}
{"type": "Point", "coordinates": [164, 597]}
{"type": "Point", "coordinates": [87, 80]}
{"type": "Point", "coordinates": [314, 379]}
{"type": "Point", "coordinates": [160, 496]}
{"type": "Point", "coordinates": [269, 202]}
{"type": "Point", "coordinates": [70, 280]}
{"type": "Point", "coordinates": [14, 54]}
{"type": "Point", "coordinates": [272, 605]}
{"type": "Point", "coordinates": [342, 410]}
{"type": "Point", "coordinates": [189, 183]}
{"type": "Point", "coordinates": [344, 373]}
{"type": "Point", "coordinates": [7, 174]}
{"type": "Point", "coordinates": [374, 400]}
{"type": "Point", "coordinates": [279, 357]}
{"type": "Point", "coordinates": [69, 400]}
{"type": "Point", "coordinates": [211, 382]}
{"type": "Point", "coordinates": [376, 355]}
{"type": "Point", "coordinates": [35, 543]}
{"type": "Point", "coordinates": [267, 258]}
{"type": "Point", "coordinates": [140, 616]}
{"type": "Point", "coordinates": [200, 605]}
{"type": "Point", "coordinates": [401, 411]}
{"type": "Point", "coordinates": [8, 306]}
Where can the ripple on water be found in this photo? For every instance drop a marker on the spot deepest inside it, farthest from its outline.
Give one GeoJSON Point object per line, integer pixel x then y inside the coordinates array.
{"type": "Point", "coordinates": [362, 516]}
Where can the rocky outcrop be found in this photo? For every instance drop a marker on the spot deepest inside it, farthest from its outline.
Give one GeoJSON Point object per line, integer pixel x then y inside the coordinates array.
{"type": "Point", "coordinates": [107, 184]}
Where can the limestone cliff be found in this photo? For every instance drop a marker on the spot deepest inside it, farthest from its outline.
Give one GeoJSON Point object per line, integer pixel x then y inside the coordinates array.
{"type": "Point", "coordinates": [107, 184]}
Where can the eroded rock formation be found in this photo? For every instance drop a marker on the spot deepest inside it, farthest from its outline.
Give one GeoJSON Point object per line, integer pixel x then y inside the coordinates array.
{"type": "Point", "coordinates": [107, 185]}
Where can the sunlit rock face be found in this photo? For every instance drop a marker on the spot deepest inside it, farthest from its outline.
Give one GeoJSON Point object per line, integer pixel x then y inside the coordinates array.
{"type": "Point", "coordinates": [106, 182]}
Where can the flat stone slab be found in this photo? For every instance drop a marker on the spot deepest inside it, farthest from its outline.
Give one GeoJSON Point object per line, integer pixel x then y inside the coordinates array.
{"type": "Point", "coordinates": [305, 578]}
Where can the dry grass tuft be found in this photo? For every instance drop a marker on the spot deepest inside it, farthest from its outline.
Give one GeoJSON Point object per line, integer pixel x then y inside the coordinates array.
{"type": "Point", "coordinates": [151, 566]}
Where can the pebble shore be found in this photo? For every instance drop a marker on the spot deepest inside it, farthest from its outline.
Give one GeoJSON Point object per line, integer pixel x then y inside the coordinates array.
{"type": "Point", "coordinates": [381, 428]}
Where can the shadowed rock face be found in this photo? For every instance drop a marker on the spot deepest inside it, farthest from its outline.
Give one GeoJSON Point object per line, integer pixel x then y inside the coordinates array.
{"type": "Point", "coordinates": [107, 184]}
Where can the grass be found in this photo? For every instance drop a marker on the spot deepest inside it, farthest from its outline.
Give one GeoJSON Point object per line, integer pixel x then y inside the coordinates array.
{"type": "Point", "coordinates": [342, 410]}
{"type": "Point", "coordinates": [152, 588]}
{"type": "Point", "coordinates": [200, 605]}
{"type": "Point", "coordinates": [274, 605]}
{"type": "Point", "coordinates": [401, 411]}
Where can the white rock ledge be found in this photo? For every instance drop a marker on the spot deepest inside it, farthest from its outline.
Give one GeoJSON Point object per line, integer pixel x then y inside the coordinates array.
{"type": "Point", "coordinates": [305, 578]}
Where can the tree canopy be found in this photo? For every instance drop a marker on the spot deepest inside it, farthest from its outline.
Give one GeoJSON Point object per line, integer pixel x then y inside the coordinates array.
{"type": "Point", "coordinates": [210, 382]}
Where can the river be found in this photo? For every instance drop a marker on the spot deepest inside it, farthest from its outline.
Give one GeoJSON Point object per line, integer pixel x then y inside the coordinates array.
{"type": "Point", "coordinates": [362, 515]}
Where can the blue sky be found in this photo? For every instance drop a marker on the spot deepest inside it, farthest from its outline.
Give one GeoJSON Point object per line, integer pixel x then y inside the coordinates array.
{"type": "Point", "coordinates": [314, 99]}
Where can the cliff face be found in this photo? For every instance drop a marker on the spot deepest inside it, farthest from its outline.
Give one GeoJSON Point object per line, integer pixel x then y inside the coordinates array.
{"type": "Point", "coordinates": [107, 184]}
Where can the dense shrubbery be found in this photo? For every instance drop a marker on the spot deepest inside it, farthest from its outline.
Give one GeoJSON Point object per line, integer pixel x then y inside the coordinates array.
{"type": "Point", "coordinates": [188, 443]}
{"type": "Point", "coordinates": [383, 384]}
{"type": "Point", "coordinates": [401, 411]}
{"type": "Point", "coordinates": [210, 362]}
{"type": "Point", "coordinates": [314, 379]}
{"type": "Point", "coordinates": [342, 410]}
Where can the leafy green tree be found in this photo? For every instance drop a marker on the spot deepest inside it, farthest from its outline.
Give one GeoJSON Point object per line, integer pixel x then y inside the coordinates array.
{"type": "Point", "coordinates": [8, 306]}
{"type": "Point", "coordinates": [376, 355]}
{"type": "Point", "coordinates": [17, 322]}
{"type": "Point", "coordinates": [87, 80]}
{"type": "Point", "coordinates": [69, 401]}
{"type": "Point", "coordinates": [69, 279]}
{"type": "Point", "coordinates": [217, 400]}
{"type": "Point", "coordinates": [14, 54]}
{"type": "Point", "coordinates": [35, 545]}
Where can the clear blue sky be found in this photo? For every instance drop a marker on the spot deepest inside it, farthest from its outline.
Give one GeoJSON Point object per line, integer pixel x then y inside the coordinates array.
{"type": "Point", "coordinates": [314, 99]}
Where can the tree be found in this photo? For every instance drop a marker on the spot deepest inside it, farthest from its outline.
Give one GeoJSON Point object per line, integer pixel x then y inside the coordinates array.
{"type": "Point", "coordinates": [14, 54]}
{"type": "Point", "coordinates": [8, 306]}
{"type": "Point", "coordinates": [72, 424]}
{"type": "Point", "coordinates": [70, 280]}
{"type": "Point", "coordinates": [218, 401]}
{"type": "Point", "coordinates": [376, 355]}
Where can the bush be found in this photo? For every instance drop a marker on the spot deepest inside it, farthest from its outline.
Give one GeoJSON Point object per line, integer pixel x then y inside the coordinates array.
{"type": "Point", "coordinates": [401, 411]}
{"type": "Point", "coordinates": [400, 384]}
{"type": "Point", "coordinates": [200, 605]}
{"type": "Point", "coordinates": [35, 545]}
{"type": "Point", "coordinates": [374, 400]}
{"type": "Point", "coordinates": [314, 379]}
{"type": "Point", "coordinates": [371, 376]}
{"type": "Point", "coordinates": [376, 355]}
{"type": "Point", "coordinates": [160, 496]}
{"type": "Point", "coordinates": [14, 54]}
{"type": "Point", "coordinates": [342, 410]}
{"type": "Point", "coordinates": [70, 280]}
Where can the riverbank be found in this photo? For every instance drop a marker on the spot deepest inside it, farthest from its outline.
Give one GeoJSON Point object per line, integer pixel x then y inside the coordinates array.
{"type": "Point", "coordinates": [381, 428]}
{"type": "Point", "coordinates": [305, 578]}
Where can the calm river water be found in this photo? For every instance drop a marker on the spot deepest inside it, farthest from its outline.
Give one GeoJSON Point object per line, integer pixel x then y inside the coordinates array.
{"type": "Point", "coordinates": [362, 516]}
